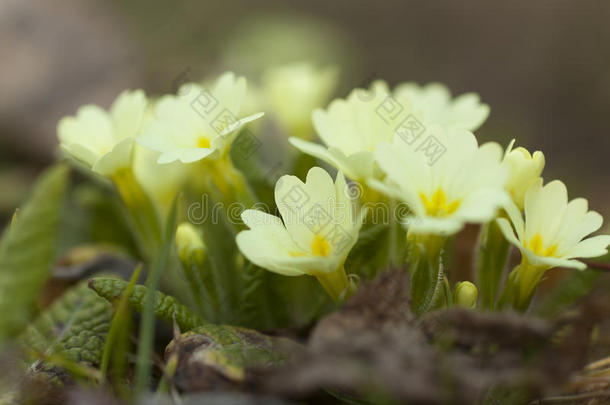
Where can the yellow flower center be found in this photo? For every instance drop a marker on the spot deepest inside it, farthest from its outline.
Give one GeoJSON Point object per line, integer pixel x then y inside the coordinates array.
{"type": "Point", "coordinates": [320, 246]}
{"type": "Point", "coordinates": [437, 204]}
{"type": "Point", "coordinates": [203, 142]}
{"type": "Point", "coordinates": [537, 247]}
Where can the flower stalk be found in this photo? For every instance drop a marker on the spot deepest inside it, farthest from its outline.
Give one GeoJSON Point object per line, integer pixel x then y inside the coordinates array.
{"type": "Point", "coordinates": [491, 257]}
{"type": "Point", "coordinates": [520, 286]}
{"type": "Point", "coordinates": [141, 209]}
{"type": "Point", "coordinates": [425, 263]}
{"type": "Point", "coordinates": [193, 256]}
{"type": "Point", "coordinates": [336, 284]}
{"type": "Point", "coordinates": [226, 183]}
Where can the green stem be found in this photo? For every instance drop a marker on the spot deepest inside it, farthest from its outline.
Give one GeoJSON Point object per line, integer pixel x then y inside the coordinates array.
{"type": "Point", "coordinates": [195, 285]}
{"type": "Point", "coordinates": [447, 291]}
{"type": "Point", "coordinates": [199, 275]}
{"type": "Point", "coordinates": [425, 264]}
{"type": "Point", "coordinates": [520, 286]}
{"type": "Point", "coordinates": [241, 189]}
{"type": "Point", "coordinates": [141, 209]}
{"type": "Point", "coordinates": [232, 182]}
{"type": "Point", "coordinates": [336, 284]}
{"type": "Point", "coordinates": [396, 242]}
{"type": "Point", "coordinates": [394, 229]}
{"type": "Point", "coordinates": [227, 185]}
{"type": "Point", "coordinates": [147, 322]}
{"type": "Point", "coordinates": [490, 262]}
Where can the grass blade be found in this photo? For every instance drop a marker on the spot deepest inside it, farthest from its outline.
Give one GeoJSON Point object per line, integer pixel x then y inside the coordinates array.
{"type": "Point", "coordinates": [147, 323]}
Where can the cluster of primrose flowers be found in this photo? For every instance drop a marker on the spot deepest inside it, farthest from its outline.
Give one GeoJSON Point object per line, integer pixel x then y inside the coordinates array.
{"type": "Point", "coordinates": [411, 145]}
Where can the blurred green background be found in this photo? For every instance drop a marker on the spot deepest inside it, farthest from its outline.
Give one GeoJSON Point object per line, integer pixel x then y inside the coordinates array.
{"type": "Point", "coordinates": [543, 66]}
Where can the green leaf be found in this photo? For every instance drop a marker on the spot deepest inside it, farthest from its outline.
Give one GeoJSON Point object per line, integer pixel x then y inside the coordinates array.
{"type": "Point", "coordinates": [244, 347]}
{"type": "Point", "coordinates": [117, 341]}
{"type": "Point", "coordinates": [27, 251]}
{"type": "Point", "coordinates": [74, 327]}
{"type": "Point", "coordinates": [297, 301]}
{"type": "Point", "coordinates": [568, 291]}
{"type": "Point", "coordinates": [165, 306]}
{"type": "Point", "coordinates": [256, 310]}
{"type": "Point", "coordinates": [198, 278]}
{"type": "Point", "coordinates": [225, 282]}
{"type": "Point", "coordinates": [227, 350]}
{"type": "Point", "coordinates": [396, 244]}
{"type": "Point", "coordinates": [368, 255]}
{"type": "Point", "coordinates": [94, 214]}
{"type": "Point", "coordinates": [272, 301]}
{"type": "Point", "coordinates": [259, 178]}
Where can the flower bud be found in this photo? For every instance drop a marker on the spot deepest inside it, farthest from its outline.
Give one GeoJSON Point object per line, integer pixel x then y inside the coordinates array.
{"type": "Point", "coordinates": [525, 168]}
{"type": "Point", "coordinates": [466, 294]}
{"type": "Point", "coordinates": [189, 244]}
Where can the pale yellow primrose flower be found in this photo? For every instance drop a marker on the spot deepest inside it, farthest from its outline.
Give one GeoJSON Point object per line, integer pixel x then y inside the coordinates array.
{"type": "Point", "coordinates": [434, 104]}
{"type": "Point", "coordinates": [197, 123]}
{"type": "Point", "coordinates": [161, 182]}
{"type": "Point", "coordinates": [525, 169]}
{"type": "Point", "coordinates": [320, 225]}
{"type": "Point", "coordinates": [351, 129]}
{"type": "Point", "coordinates": [104, 140]}
{"type": "Point", "coordinates": [451, 182]}
{"type": "Point", "coordinates": [293, 91]}
{"type": "Point", "coordinates": [553, 230]}
{"type": "Point", "coordinates": [551, 236]}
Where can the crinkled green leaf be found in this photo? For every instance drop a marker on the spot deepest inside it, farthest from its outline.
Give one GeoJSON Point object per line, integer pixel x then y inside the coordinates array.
{"type": "Point", "coordinates": [166, 306]}
{"type": "Point", "coordinates": [117, 340]}
{"type": "Point", "coordinates": [242, 346]}
{"type": "Point", "coordinates": [227, 350]}
{"type": "Point", "coordinates": [74, 326]}
{"type": "Point", "coordinates": [27, 251]}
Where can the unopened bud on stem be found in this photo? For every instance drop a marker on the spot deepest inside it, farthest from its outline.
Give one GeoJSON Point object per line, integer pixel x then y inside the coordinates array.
{"type": "Point", "coordinates": [466, 294]}
{"type": "Point", "coordinates": [189, 244]}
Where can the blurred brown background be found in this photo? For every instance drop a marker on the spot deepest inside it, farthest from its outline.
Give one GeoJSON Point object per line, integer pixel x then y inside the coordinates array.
{"type": "Point", "coordinates": [542, 66]}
